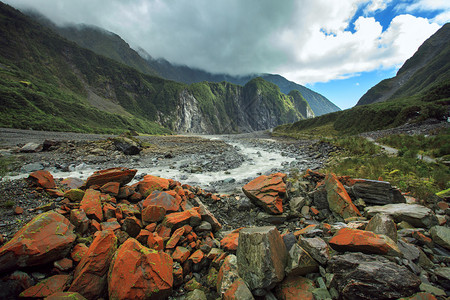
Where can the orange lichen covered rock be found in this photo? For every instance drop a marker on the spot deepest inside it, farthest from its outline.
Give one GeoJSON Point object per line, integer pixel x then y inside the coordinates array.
{"type": "Point", "coordinates": [267, 192]}
{"type": "Point", "coordinates": [111, 188]}
{"type": "Point", "coordinates": [181, 254]}
{"type": "Point", "coordinates": [120, 175]}
{"type": "Point", "coordinates": [138, 272]}
{"type": "Point", "coordinates": [153, 214]}
{"type": "Point", "coordinates": [47, 287]}
{"type": "Point", "coordinates": [46, 238]}
{"type": "Point", "coordinates": [43, 179]}
{"type": "Point", "coordinates": [162, 199]}
{"type": "Point", "coordinates": [65, 295]}
{"type": "Point", "coordinates": [92, 205]}
{"type": "Point", "coordinates": [90, 275]}
{"type": "Point", "coordinates": [152, 183]}
{"type": "Point", "coordinates": [155, 242]}
{"type": "Point", "coordinates": [175, 238]}
{"type": "Point", "coordinates": [348, 239]}
{"type": "Point", "coordinates": [295, 288]}
{"type": "Point", "coordinates": [338, 199]}
{"type": "Point", "coordinates": [78, 252]}
{"type": "Point", "coordinates": [190, 217]}
{"type": "Point", "coordinates": [230, 241]}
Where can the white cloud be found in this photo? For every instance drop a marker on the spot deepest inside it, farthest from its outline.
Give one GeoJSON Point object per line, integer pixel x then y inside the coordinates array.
{"type": "Point", "coordinates": [304, 40]}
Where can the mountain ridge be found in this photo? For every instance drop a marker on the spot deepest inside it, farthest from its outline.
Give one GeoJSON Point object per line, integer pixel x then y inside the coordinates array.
{"type": "Point", "coordinates": [113, 46]}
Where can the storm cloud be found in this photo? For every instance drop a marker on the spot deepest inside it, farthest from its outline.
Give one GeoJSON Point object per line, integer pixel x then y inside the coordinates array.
{"type": "Point", "coordinates": [305, 41]}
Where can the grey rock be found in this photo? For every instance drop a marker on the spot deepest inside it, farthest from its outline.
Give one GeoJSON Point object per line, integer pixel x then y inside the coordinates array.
{"type": "Point", "coordinates": [363, 276]}
{"type": "Point", "coordinates": [300, 262]}
{"type": "Point", "coordinates": [321, 294]}
{"type": "Point", "coordinates": [289, 240]}
{"type": "Point", "coordinates": [377, 192]}
{"type": "Point", "coordinates": [409, 251]}
{"type": "Point", "coordinates": [272, 219]}
{"type": "Point", "coordinates": [317, 248]}
{"type": "Point", "coordinates": [31, 147]}
{"type": "Point", "coordinates": [261, 257]}
{"type": "Point", "coordinates": [297, 203]}
{"type": "Point", "coordinates": [204, 226]}
{"type": "Point", "coordinates": [229, 270]}
{"type": "Point", "coordinates": [28, 168]}
{"type": "Point", "coordinates": [320, 199]}
{"type": "Point", "coordinates": [383, 224]}
{"type": "Point", "coordinates": [127, 146]}
{"type": "Point", "coordinates": [428, 288]}
{"type": "Point", "coordinates": [414, 214]}
{"type": "Point", "coordinates": [196, 295]}
{"type": "Point", "coordinates": [441, 236]}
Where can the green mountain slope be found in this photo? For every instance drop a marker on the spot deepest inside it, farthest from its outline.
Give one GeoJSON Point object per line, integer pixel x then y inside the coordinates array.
{"type": "Point", "coordinates": [111, 45]}
{"type": "Point", "coordinates": [427, 69]}
{"type": "Point", "coordinates": [47, 82]}
{"type": "Point", "coordinates": [421, 90]}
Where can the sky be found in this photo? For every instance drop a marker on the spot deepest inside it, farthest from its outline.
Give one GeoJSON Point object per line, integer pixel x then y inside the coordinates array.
{"type": "Point", "coordinates": [337, 48]}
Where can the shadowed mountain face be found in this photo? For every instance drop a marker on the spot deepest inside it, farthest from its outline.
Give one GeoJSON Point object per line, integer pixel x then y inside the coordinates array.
{"type": "Point", "coordinates": [113, 46]}
{"type": "Point", "coordinates": [48, 82]}
{"type": "Point", "coordinates": [427, 69]}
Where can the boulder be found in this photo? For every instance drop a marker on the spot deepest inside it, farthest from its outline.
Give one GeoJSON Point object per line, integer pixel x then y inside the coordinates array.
{"type": "Point", "coordinates": [127, 146]}
{"type": "Point", "coordinates": [238, 290]}
{"type": "Point", "coordinates": [295, 288]}
{"type": "Point", "coordinates": [121, 175]}
{"type": "Point", "coordinates": [189, 217]}
{"type": "Point", "coordinates": [90, 276]}
{"type": "Point", "coordinates": [261, 257]}
{"type": "Point", "coordinates": [153, 214]}
{"type": "Point", "coordinates": [46, 238]}
{"type": "Point", "coordinates": [414, 214]}
{"type": "Point", "coordinates": [181, 254]}
{"type": "Point", "coordinates": [355, 240]}
{"type": "Point", "coordinates": [300, 262]}
{"type": "Point", "coordinates": [78, 252]}
{"type": "Point", "coordinates": [43, 179]}
{"type": "Point", "coordinates": [228, 273]}
{"type": "Point", "coordinates": [138, 272]}
{"type": "Point", "coordinates": [230, 241]}
{"type": "Point", "coordinates": [267, 192]}
{"type": "Point", "coordinates": [31, 147]}
{"type": "Point", "coordinates": [79, 219]}
{"type": "Point", "coordinates": [376, 192]}
{"type": "Point", "coordinates": [338, 199]}
{"type": "Point", "coordinates": [383, 224]}
{"type": "Point", "coordinates": [363, 276]}
{"type": "Point", "coordinates": [47, 287]}
{"type": "Point", "coordinates": [162, 199]}
{"type": "Point", "coordinates": [92, 205]}
{"type": "Point", "coordinates": [316, 247]}
{"type": "Point", "coordinates": [74, 195]}
{"type": "Point", "coordinates": [176, 235]}
{"type": "Point", "coordinates": [132, 226]}
{"type": "Point", "coordinates": [152, 183]}
{"type": "Point", "coordinates": [441, 236]}
{"type": "Point", "coordinates": [196, 295]}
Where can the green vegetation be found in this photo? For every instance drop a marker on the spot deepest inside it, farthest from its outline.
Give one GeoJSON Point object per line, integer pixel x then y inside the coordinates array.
{"type": "Point", "coordinates": [5, 165]}
{"type": "Point", "coordinates": [362, 159]}
{"type": "Point", "coordinates": [435, 146]}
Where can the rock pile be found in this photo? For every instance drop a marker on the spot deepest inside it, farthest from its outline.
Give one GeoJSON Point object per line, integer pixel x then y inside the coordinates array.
{"type": "Point", "coordinates": [335, 238]}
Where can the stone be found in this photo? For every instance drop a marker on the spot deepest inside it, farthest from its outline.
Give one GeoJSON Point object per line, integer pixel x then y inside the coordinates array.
{"type": "Point", "coordinates": [43, 179]}
{"type": "Point", "coordinates": [120, 175]}
{"type": "Point", "coordinates": [113, 225]}
{"type": "Point", "coordinates": [132, 226]}
{"type": "Point", "coordinates": [420, 296]}
{"type": "Point", "coordinates": [267, 192]}
{"type": "Point", "coordinates": [78, 252]}
{"type": "Point", "coordinates": [153, 214]}
{"type": "Point", "coordinates": [317, 248]}
{"type": "Point", "coordinates": [424, 287]}
{"type": "Point", "coordinates": [208, 217]}
{"type": "Point", "coordinates": [111, 188]}
{"type": "Point", "coordinates": [270, 218]}
{"type": "Point", "coordinates": [338, 199]}
{"type": "Point", "coordinates": [441, 236]}
{"type": "Point", "coordinates": [295, 288]}
{"type": "Point", "coordinates": [155, 242]}
{"type": "Point", "coordinates": [230, 241]}
{"type": "Point", "coordinates": [127, 146]}
{"type": "Point", "coordinates": [18, 210]}
{"type": "Point", "coordinates": [414, 214]}
{"type": "Point", "coordinates": [79, 219]}
{"type": "Point", "coordinates": [72, 183]}
{"type": "Point", "coordinates": [92, 205]}
{"type": "Point", "coordinates": [90, 276]}
{"type": "Point", "coordinates": [64, 264]}
{"type": "Point", "coordinates": [363, 276]}
{"type": "Point", "coordinates": [383, 224]}
{"type": "Point", "coordinates": [46, 238]}
{"type": "Point", "coordinates": [176, 235]}
{"type": "Point", "coordinates": [297, 203]}
{"type": "Point", "coordinates": [74, 195]}
{"type": "Point", "coordinates": [181, 254]}
{"type": "Point", "coordinates": [376, 192]}
{"type": "Point", "coordinates": [47, 287]}
{"type": "Point", "coordinates": [138, 272]}
{"type": "Point", "coordinates": [152, 183]}
{"type": "Point", "coordinates": [300, 263]}
{"type": "Point", "coordinates": [162, 199]}
{"type": "Point", "coordinates": [189, 217]}
{"type": "Point", "coordinates": [261, 257]}
{"type": "Point", "coordinates": [321, 294]}
{"type": "Point", "coordinates": [228, 273]}
{"type": "Point", "coordinates": [355, 240]}
{"type": "Point", "coordinates": [196, 295]}
{"type": "Point", "coordinates": [31, 148]}
{"type": "Point", "coordinates": [65, 295]}
{"type": "Point", "coordinates": [408, 250]}
{"type": "Point", "coordinates": [238, 290]}
{"type": "Point", "coordinates": [204, 226]}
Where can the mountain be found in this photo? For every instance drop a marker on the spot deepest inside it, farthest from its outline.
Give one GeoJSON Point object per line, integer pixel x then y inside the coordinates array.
{"type": "Point", "coordinates": [50, 83]}
{"type": "Point", "coordinates": [428, 68]}
{"type": "Point", "coordinates": [420, 91]}
{"type": "Point", "coordinates": [111, 45]}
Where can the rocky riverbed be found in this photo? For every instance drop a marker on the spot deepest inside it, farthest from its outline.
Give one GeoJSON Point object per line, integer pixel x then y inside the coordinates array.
{"type": "Point", "coordinates": [250, 227]}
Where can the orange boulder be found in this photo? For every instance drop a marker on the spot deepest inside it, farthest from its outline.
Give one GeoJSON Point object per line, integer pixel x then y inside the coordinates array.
{"type": "Point", "coordinates": [162, 199]}
{"type": "Point", "coordinates": [230, 241]}
{"type": "Point", "coordinates": [46, 238]}
{"type": "Point", "coordinates": [295, 288]}
{"type": "Point", "coordinates": [267, 192]}
{"type": "Point", "coordinates": [120, 175]}
{"type": "Point", "coordinates": [42, 179]}
{"type": "Point", "coordinates": [338, 199]}
{"type": "Point", "coordinates": [47, 287]}
{"type": "Point", "coordinates": [152, 183]}
{"type": "Point", "coordinates": [153, 214]}
{"type": "Point", "coordinates": [92, 205]}
{"type": "Point", "coordinates": [138, 272]}
{"type": "Point", "coordinates": [189, 217]}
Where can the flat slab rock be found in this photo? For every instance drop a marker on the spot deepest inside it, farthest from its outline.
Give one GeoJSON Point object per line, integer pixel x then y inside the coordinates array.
{"type": "Point", "coordinates": [414, 214]}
